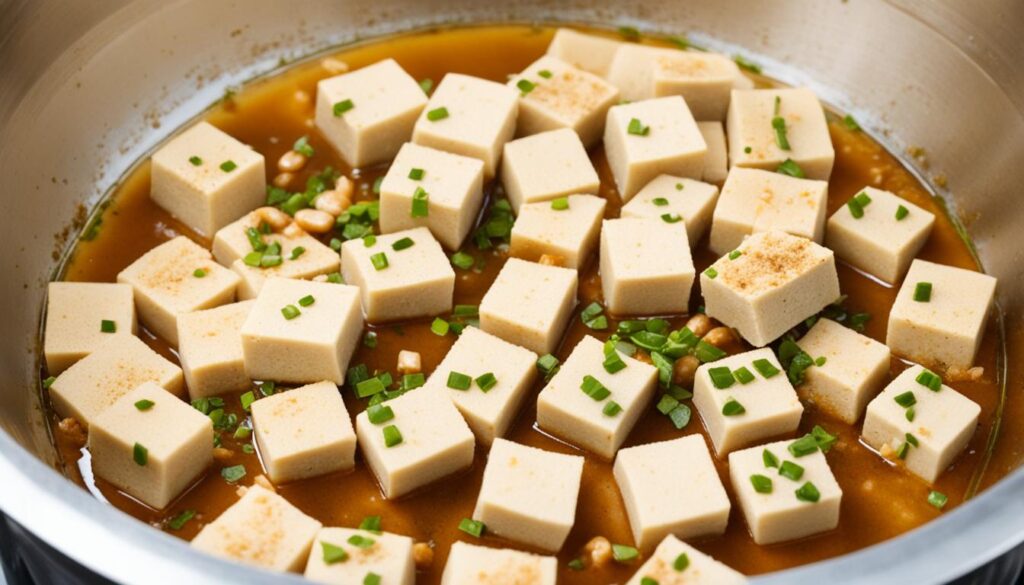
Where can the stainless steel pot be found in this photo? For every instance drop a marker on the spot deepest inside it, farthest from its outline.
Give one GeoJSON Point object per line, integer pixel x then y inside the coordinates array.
{"type": "Point", "coordinates": [86, 88]}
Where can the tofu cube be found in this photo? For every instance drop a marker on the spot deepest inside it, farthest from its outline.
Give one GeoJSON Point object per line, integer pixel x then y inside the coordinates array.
{"type": "Point", "coordinates": [413, 281]}
{"type": "Point", "coordinates": [668, 197]}
{"type": "Point", "coordinates": [389, 556]}
{"type": "Point", "coordinates": [206, 178]}
{"type": "Point", "coordinates": [632, 69]}
{"type": "Point", "coordinates": [369, 113]}
{"type": "Point", "coordinates": [508, 503]}
{"type": "Point", "coordinates": [75, 315]}
{"type": "Point", "coordinates": [789, 510]}
{"type": "Point", "coordinates": [941, 423]}
{"type": "Point", "coordinates": [166, 284]}
{"type": "Point", "coordinates": [599, 420]}
{"type": "Point", "coordinates": [716, 161]}
{"type": "Point", "coordinates": [529, 304]}
{"type": "Point", "coordinates": [741, 414]}
{"type": "Point", "coordinates": [261, 529]}
{"type": "Point", "coordinates": [434, 442]}
{"type": "Point", "coordinates": [590, 53]}
{"type": "Point", "coordinates": [649, 477]}
{"type": "Point", "coordinates": [547, 166]}
{"type": "Point", "coordinates": [775, 282]}
{"type": "Point", "coordinates": [152, 454]}
{"type": "Point", "coordinates": [646, 267]}
{"type": "Point", "coordinates": [286, 340]}
{"type": "Point", "coordinates": [700, 569]}
{"type": "Point", "coordinates": [649, 138]}
{"type": "Point", "coordinates": [854, 371]}
{"type": "Point", "coordinates": [473, 565]}
{"type": "Point", "coordinates": [946, 329]}
{"type": "Point", "coordinates": [705, 80]}
{"type": "Point", "coordinates": [570, 233]}
{"type": "Point", "coordinates": [210, 349]}
{"type": "Point", "coordinates": [469, 116]}
{"type": "Point", "coordinates": [756, 201]}
{"type": "Point", "coordinates": [749, 125]}
{"type": "Point", "coordinates": [491, 411]}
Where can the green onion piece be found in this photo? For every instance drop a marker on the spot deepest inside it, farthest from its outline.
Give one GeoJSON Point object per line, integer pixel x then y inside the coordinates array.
{"type": "Point", "coordinates": [666, 404]}
{"type": "Point", "coordinates": [462, 260]}
{"type": "Point", "coordinates": [820, 361]}
{"type": "Point", "coordinates": [437, 114]}
{"type": "Point", "coordinates": [594, 388]}
{"type": "Point", "coordinates": [905, 399]}
{"type": "Point", "coordinates": [472, 527]}
{"type": "Point", "coordinates": [679, 186]}
{"type": "Point", "coordinates": [910, 414]}
{"type": "Point", "coordinates": [789, 167]}
{"type": "Point", "coordinates": [912, 440]}
{"type": "Point", "coordinates": [560, 204]}
{"type": "Point", "coordinates": [370, 524]}
{"type": "Point", "coordinates": [486, 381]}
{"type": "Point", "coordinates": [296, 252]}
{"type": "Point", "coordinates": [929, 380]}
{"type": "Point", "coordinates": [371, 578]}
{"type": "Point", "coordinates": [762, 484]}
{"type": "Point", "coordinates": [648, 581]}
{"type": "Point", "coordinates": [611, 408]}
{"type": "Point", "coordinates": [333, 554]}
{"type": "Point", "coordinates": [290, 312]}
{"type": "Point", "coordinates": [855, 208]}
{"type": "Point", "coordinates": [439, 326]}
{"type": "Point", "coordinates": [576, 564]}
{"type": "Point", "coordinates": [671, 218]}
{"type": "Point", "coordinates": [902, 451]}
{"type": "Point", "coordinates": [808, 493]}
{"type": "Point", "coordinates": [107, 326]}
{"type": "Point", "coordinates": [392, 436]}
{"type": "Point", "coordinates": [624, 554]}
{"type": "Point", "coordinates": [681, 562]}
{"type": "Point", "coordinates": [459, 381]}
{"type": "Point", "coordinates": [140, 455]}
{"type": "Point", "coordinates": [360, 541]}
{"type": "Point", "coordinates": [791, 470]}
{"type": "Point", "coordinates": [403, 244]}
{"type": "Point", "coordinates": [420, 203]}
{"type": "Point", "coordinates": [747, 149]}
{"type": "Point", "coordinates": [733, 408]}
{"type": "Point", "coordinates": [242, 433]}
{"type": "Point", "coordinates": [369, 240]}
{"type": "Point", "coordinates": [548, 365]}
{"type": "Point", "coordinates": [923, 292]}
{"type": "Point", "coordinates": [144, 404]}
{"type": "Point", "coordinates": [233, 474]}
{"type": "Point", "coordinates": [307, 300]}
{"type": "Point", "coordinates": [735, 254]}
{"type": "Point", "coordinates": [247, 399]}
{"type": "Point", "coordinates": [711, 272]}
{"type": "Point", "coordinates": [416, 174]}
{"type": "Point", "coordinates": [228, 166]}
{"type": "Point", "coordinates": [805, 445]}
{"type": "Point", "coordinates": [195, 160]}
{"type": "Point", "coordinates": [49, 382]}
{"type": "Point", "coordinates": [370, 339]}
{"type": "Point", "coordinates": [379, 261]}
{"type": "Point", "coordinates": [901, 213]}
{"type": "Point", "coordinates": [302, 147]}
{"type": "Point", "coordinates": [613, 362]}
{"type": "Point", "coordinates": [660, 201]}
{"type": "Point", "coordinates": [743, 375]}
{"type": "Point", "coordinates": [342, 107]}
{"type": "Point", "coordinates": [765, 368]}
{"type": "Point", "coordinates": [369, 387]}
{"type": "Point", "coordinates": [680, 416]}
{"type": "Point", "coordinates": [466, 311]}
{"type": "Point", "coordinates": [823, 438]}
{"type": "Point", "coordinates": [179, 521]}
{"type": "Point", "coordinates": [335, 244]}
{"type": "Point", "coordinates": [379, 413]}
{"type": "Point", "coordinates": [851, 123]}
{"type": "Point", "coordinates": [545, 73]}
{"type": "Point", "coordinates": [721, 377]}
{"type": "Point", "coordinates": [705, 352]}
{"type": "Point", "coordinates": [525, 86]}
{"type": "Point", "coordinates": [629, 33]}
{"type": "Point", "coordinates": [937, 499]}
{"type": "Point", "coordinates": [637, 128]}
{"type": "Point", "coordinates": [199, 272]}
{"type": "Point", "coordinates": [746, 64]}
{"type": "Point", "coordinates": [769, 458]}
{"type": "Point", "coordinates": [863, 199]}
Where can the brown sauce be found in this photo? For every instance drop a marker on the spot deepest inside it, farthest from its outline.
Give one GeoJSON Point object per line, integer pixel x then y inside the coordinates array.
{"type": "Point", "coordinates": [879, 501]}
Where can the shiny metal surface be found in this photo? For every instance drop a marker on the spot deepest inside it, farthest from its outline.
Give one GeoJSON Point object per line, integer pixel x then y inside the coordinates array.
{"type": "Point", "coordinates": [86, 88]}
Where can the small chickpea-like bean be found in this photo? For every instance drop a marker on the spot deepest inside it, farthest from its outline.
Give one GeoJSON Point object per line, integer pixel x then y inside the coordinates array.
{"type": "Point", "coordinates": [550, 260]}
{"type": "Point", "coordinates": [291, 161]}
{"type": "Point", "coordinates": [314, 221]}
{"type": "Point", "coordinates": [282, 180]}
{"type": "Point", "coordinates": [344, 187]}
{"type": "Point", "coordinates": [332, 65]}
{"type": "Point", "coordinates": [332, 202]}
{"type": "Point", "coordinates": [684, 371]}
{"type": "Point", "coordinates": [293, 230]}
{"type": "Point", "coordinates": [720, 336]}
{"type": "Point", "coordinates": [73, 430]}
{"type": "Point", "coordinates": [700, 324]}
{"type": "Point", "coordinates": [222, 454]}
{"type": "Point", "coordinates": [274, 217]}
{"type": "Point", "coordinates": [600, 551]}
{"type": "Point", "coordinates": [423, 555]}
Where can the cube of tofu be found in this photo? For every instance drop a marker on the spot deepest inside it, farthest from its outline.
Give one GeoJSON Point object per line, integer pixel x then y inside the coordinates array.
{"type": "Point", "coordinates": [782, 508]}
{"type": "Point", "coordinates": [590, 408]}
{"type": "Point", "coordinates": [167, 283]}
{"type": "Point", "coordinates": [454, 193]}
{"type": "Point", "coordinates": [929, 432]}
{"type": "Point", "coordinates": [151, 452]}
{"type": "Point", "coordinates": [632, 69]}
{"type": "Point", "coordinates": [668, 197]}
{"type": "Point", "coordinates": [529, 304]}
{"type": "Point", "coordinates": [551, 228]}
{"type": "Point", "coordinates": [261, 529]}
{"type": "Point", "coordinates": [210, 349]}
{"type": "Point", "coordinates": [490, 404]}
{"type": "Point", "coordinates": [854, 371]}
{"type": "Point", "coordinates": [590, 53]}
{"type": "Point", "coordinates": [944, 326]}
{"type": "Point", "coordinates": [698, 568]}
{"type": "Point", "coordinates": [554, 94]}
{"type": "Point", "coordinates": [882, 237]}
{"type": "Point", "coordinates": [547, 166]}
{"type": "Point", "coordinates": [737, 415]}
{"type": "Point", "coordinates": [773, 283]}
{"type": "Point", "coordinates": [469, 116]}
{"type": "Point", "coordinates": [756, 201]}
{"type": "Point", "coordinates": [301, 332]}
{"type": "Point", "coordinates": [389, 556]}
{"type": "Point", "coordinates": [716, 162]}
{"type": "Point", "coordinates": [119, 365]}
{"type": "Point", "coordinates": [400, 275]}
{"type": "Point", "coordinates": [206, 178]}
{"type": "Point", "coordinates": [649, 477]}
{"type": "Point", "coordinates": [474, 565]}
{"type": "Point", "coordinates": [75, 316]}
{"type": "Point", "coordinates": [422, 441]}
{"type": "Point", "coordinates": [705, 80]}
{"type": "Point", "coordinates": [749, 125]}
{"type": "Point", "coordinates": [508, 503]}
{"type": "Point", "coordinates": [369, 113]}
{"type": "Point", "coordinates": [646, 267]}
{"type": "Point", "coordinates": [649, 138]}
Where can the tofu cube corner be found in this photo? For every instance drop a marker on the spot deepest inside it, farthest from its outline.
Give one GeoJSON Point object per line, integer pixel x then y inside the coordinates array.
{"type": "Point", "coordinates": [75, 312]}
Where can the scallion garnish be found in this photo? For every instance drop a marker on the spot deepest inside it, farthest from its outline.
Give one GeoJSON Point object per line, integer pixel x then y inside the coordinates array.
{"type": "Point", "coordinates": [762, 484]}
{"type": "Point", "coordinates": [472, 527]}
{"type": "Point", "coordinates": [420, 203]}
{"type": "Point", "coordinates": [392, 436]}
{"type": "Point", "coordinates": [901, 213]}
{"type": "Point", "coordinates": [560, 204]}
{"type": "Point", "coordinates": [929, 380]}
{"type": "Point", "coordinates": [416, 174]}
{"type": "Point", "coordinates": [459, 381]}
{"type": "Point", "coordinates": [486, 381]}
{"type": "Point", "coordinates": [342, 107]}
{"type": "Point", "coordinates": [923, 292]}
{"type": "Point", "coordinates": [402, 244]}
{"type": "Point", "coordinates": [140, 455]}
{"type": "Point", "coordinates": [637, 128]}
{"type": "Point", "coordinates": [333, 554]}
{"type": "Point", "coordinates": [791, 470]}
{"type": "Point", "coordinates": [290, 312]}
{"type": "Point", "coordinates": [107, 326]}
{"type": "Point", "coordinates": [195, 160]}
{"type": "Point", "coordinates": [228, 166]}
{"type": "Point", "coordinates": [808, 493]}
{"type": "Point", "coordinates": [906, 399]}
{"type": "Point", "coordinates": [379, 261]}
{"type": "Point", "coordinates": [437, 114]}
{"type": "Point", "coordinates": [660, 201]}
{"type": "Point", "coordinates": [611, 408]}
{"type": "Point", "coordinates": [732, 407]}
{"type": "Point", "coordinates": [721, 377]}
{"type": "Point", "coordinates": [379, 413]}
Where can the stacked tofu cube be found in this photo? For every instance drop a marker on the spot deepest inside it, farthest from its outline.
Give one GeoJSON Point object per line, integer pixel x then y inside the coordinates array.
{"type": "Point", "coordinates": [676, 199]}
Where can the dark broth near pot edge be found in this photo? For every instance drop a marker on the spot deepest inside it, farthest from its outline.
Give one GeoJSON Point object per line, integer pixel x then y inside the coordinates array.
{"type": "Point", "coordinates": [879, 501]}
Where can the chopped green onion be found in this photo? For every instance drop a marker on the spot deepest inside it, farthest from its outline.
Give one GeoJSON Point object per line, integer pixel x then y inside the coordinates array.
{"type": "Point", "coordinates": [637, 128]}
{"type": "Point", "coordinates": [711, 272]}
{"type": "Point", "coordinates": [342, 107]}
{"type": "Point", "coordinates": [671, 218]}
{"type": "Point", "coordinates": [679, 186]}
{"type": "Point", "coordinates": [179, 521]}
{"type": "Point", "coordinates": [762, 484]}
{"type": "Point", "coordinates": [765, 368]}
{"type": "Point", "coordinates": [472, 527]}
{"type": "Point", "coordinates": [333, 554]}
{"type": "Point", "coordinates": [808, 493]}
{"type": "Point", "coordinates": [548, 365]}
{"type": "Point", "coordinates": [705, 352]}
{"type": "Point", "coordinates": [416, 174]}
{"type": "Point", "coordinates": [624, 554]}
{"type": "Point", "coordinates": [462, 260]}
{"type": "Point", "coordinates": [937, 499]}
{"type": "Point", "coordinates": [369, 387]}
{"type": "Point", "coordinates": [296, 252]}
{"type": "Point", "coordinates": [302, 147]}
{"type": "Point", "coordinates": [402, 244]}
{"type": "Point", "coordinates": [743, 375]}
{"type": "Point", "coordinates": [901, 213]}
{"type": "Point", "coordinates": [233, 474]}
{"type": "Point", "coordinates": [459, 381]}
{"type": "Point", "coordinates": [594, 388]}
{"type": "Point", "coordinates": [144, 404]}
{"type": "Point", "coordinates": [855, 209]}
{"type": "Point", "coordinates": [379, 413]}
{"type": "Point", "coordinates": [107, 326]}
{"type": "Point", "coordinates": [228, 166]}
{"type": "Point", "coordinates": [195, 160]}
{"type": "Point", "coordinates": [769, 458]}
{"type": "Point", "coordinates": [732, 407]}
{"type": "Point", "coordinates": [372, 578]}
{"type": "Point", "coordinates": [370, 339]}
{"type": "Point", "coordinates": [242, 433]}
{"type": "Point", "coordinates": [746, 64]}
{"type": "Point", "coordinates": [923, 292]}
{"type": "Point", "coordinates": [735, 254]}
{"type": "Point", "coordinates": [525, 86]}
{"type": "Point", "coordinates": [307, 300]}
{"type": "Point", "coordinates": [199, 272]}
{"type": "Point", "coordinates": [791, 470]}
{"type": "Point", "coordinates": [905, 399]}
{"type": "Point", "coordinates": [420, 203]}
{"type": "Point", "coordinates": [779, 125]}
{"type": "Point", "coordinates": [805, 445]}
{"type": "Point", "coordinates": [140, 455]}
{"type": "Point", "coordinates": [611, 408]}
{"type": "Point", "coordinates": [545, 73]}
{"type": "Point", "coordinates": [379, 261]}
{"type": "Point", "coordinates": [486, 381]}
{"type": "Point", "coordinates": [910, 414]}
{"type": "Point", "coordinates": [823, 438]}
{"type": "Point", "coordinates": [863, 199]}
{"type": "Point", "coordinates": [49, 382]}
{"type": "Point", "coordinates": [929, 380]}
{"type": "Point", "coordinates": [789, 167]}
{"type": "Point", "coordinates": [392, 436]}
{"type": "Point", "coordinates": [360, 541]}
{"type": "Point", "coordinates": [437, 114]}
{"type": "Point", "coordinates": [660, 201]}
{"type": "Point", "coordinates": [911, 439]}
{"type": "Point", "coordinates": [369, 240]}
{"type": "Point", "coordinates": [613, 361]}
{"type": "Point", "coordinates": [560, 204]}
{"type": "Point", "coordinates": [247, 399]}
{"type": "Point", "coordinates": [290, 312]}
{"type": "Point", "coordinates": [681, 563]}
{"type": "Point", "coordinates": [370, 524]}
{"type": "Point", "coordinates": [426, 85]}
{"type": "Point", "coordinates": [721, 377]}
{"type": "Point", "coordinates": [851, 123]}
{"type": "Point", "coordinates": [902, 451]}
{"type": "Point", "coordinates": [576, 564]}
{"type": "Point", "coordinates": [680, 416]}
{"type": "Point", "coordinates": [439, 326]}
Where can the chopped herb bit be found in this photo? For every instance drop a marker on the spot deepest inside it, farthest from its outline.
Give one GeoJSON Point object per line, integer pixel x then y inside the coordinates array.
{"type": "Point", "coordinates": [805, 445]}
{"type": "Point", "coordinates": [769, 458]}
{"type": "Point", "coordinates": [333, 554]}
{"type": "Point", "coordinates": [307, 300]}
{"type": "Point", "coordinates": [789, 167]}
{"type": "Point", "coordinates": [593, 388]}
{"type": "Point", "coordinates": [743, 375]}
{"type": "Point", "coordinates": [247, 399]}
{"type": "Point", "coordinates": [855, 208]}
{"type": "Point", "coordinates": [486, 381]}
{"type": "Point", "coordinates": [296, 252]}
{"type": "Point", "coordinates": [369, 241]}
{"type": "Point", "coordinates": [902, 451]}
{"type": "Point", "coordinates": [912, 440]}
{"type": "Point", "coordinates": [762, 484]}
{"type": "Point", "coordinates": [560, 204]}
{"type": "Point", "coordinates": [923, 292]}
{"type": "Point", "coordinates": [49, 382]}
{"type": "Point", "coordinates": [660, 201]}
{"type": "Point", "coordinates": [376, 185]}
{"type": "Point", "coordinates": [648, 581]}
{"type": "Point", "coordinates": [392, 436]}
{"type": "Point", "coordinates": [233, 474]}
{"type": "Point", "coordinates": [427, 85]}
{"type": "Point", "coordinates": [851, 123]}
{"type": "Point", "coordinates": [379, 261]}
{"type": "Point", "coordinates": [794, 360]}
{"type": "Point", "coordinates": [459, 381]}
{"type": "Point", "coordinates": [711, 272]}
{"type": "Point", "coordinates": [905, 399]}
{"type": "Point", "coordinates": [403, 244]}
{"type": "Point", "coordinates": [370, 339]}
{"type": "Point", "coordinates": [416, 174]}
{"type": "Point", "coordinates": [342, 107]}
{"type": "Point", "coordinates": [437, 114]}
{"type": "Point", "coordinates": [576, 564]}
{"type": "Point", "coordinates": [637, 128]}
{"type": "Point", "coordinates": [901, 213]}
{"type": "Point", "coordinates": [733, 408]}
{"type": "Point", "coordinates": [680, 416]}
{"type": "Point", "coordinates": [179, 521]}
{"type": "Point", "coordinates": [779, 125]}
{"type": "Point", "coordinates": [371, 578]}
{"type": "Point", "coordinates": [681, 562]}
{"type": "Point", "coordinates": [462, 260]}
{"type": "Point", "coordinates": [228, 166]}
{"type": "Point", "coordinates": [140, 455]}
{"type": "Point", "coordinates": [765, 368]}
{"type": "Point", "coordinates": [439, 326]}
{"type": "Point", "coordinates": [525, 86]}
{"type": "Point", "coordinates": [671, 218]}
{"type": "Point", "coordinates": [379, 413]}
{"type": "Point", "coordinates": [613, 361]}
{"type": "Point", "coordinates": [420, 203]}
{"type": "Point", "coordinates": [747, 149]}
{"type": "Point", "coordinates": [195, 160]}
{"type": "Point", "coordinates": [910, 414]}
{"type": "Point", "coordinates": [611, 408]}
{"type": "Point", "coordinates": [548, 365]}
{"type": "Point", "coordinates": [107, 326]}
{"type": "Point", "coordinates": [937, 499]}
{"type": "Point", "coordinates": [624, 554]}
{"type": "Point", "coordinates": [144, 404]}
{"type": "Point", "coordinates": [746, 64]}
{"type": "Point", "coordinates": [863, 199]}
{"type": "Point", "coordinates": [679, 186]}
{"type": "Point", "coordinates": [808, 493]}
{"type": "Point", "coordinates": [705, 352]}
{"type": "Point", "coordinates": [302, 147]}
{"type": "Point", "coordinates": [545, 73]}
{"type": "Point", "coordinates": [823, 438]}
{"type": "Point", "coordinates": [335, 244]}
{"type": "Point", "coordinates": [929, 380]}
{"type": "Point", "coordinates": [791, 470]}
{"type": "Point", "coordinates": [472, 527]}
{"type": "Point", "coordinates": [242, 433]}
{"type": "Point", "coordinates": [369, 387]}
{"type": "Point", "coordinates": [370, 524]}
{"type": "Point", "coordinates": [721, 377]}
{"type": "Point", "coordinates": [735, 254]}
{"type": "Point", "coordinates": [820, 361]}
{"type": "Point", "coordinates": [666, 404]}
{"type": "Point", "coordinates": [290, 312]}
{"type": "Point", "coordinates": [360, 541]}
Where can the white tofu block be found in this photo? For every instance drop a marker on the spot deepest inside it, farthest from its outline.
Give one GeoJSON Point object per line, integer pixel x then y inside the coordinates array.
{"type": "Point", "coordinates": [75, 312]}
{"type": "Point", "coordinates": [261, 529]}
{"type": "Point", "coordinates": [546, 166]}
{"type": "Point", "coordinates": [649, 477]}
{"type": "Point", "coordinates": [877, 242]}
{"type": "Point", "coordinates": [176, 438]}
{"type": "Point", "coordinates": [490, 412]}
{"type": "Point", "coordinates": [854, 371]}
{"type": "Point", "coordinates": [646, 267]}
{"type": "Point", "coordinates": [749, 125]}
{"type": "Point", "coordinates": [668, 143]}
{"type": "Point", "coordinates": [776, 282]}
{"type": "Point", "coordinates": [166, 284]}
{"type": "Point", "coordinates": [755, 201]}
{"type": "Point", "coordinates": [568, 412]}
{"type": "Point", "coordinates": [311, 347]}
{"type": "Point", "coordinates": [508, 504]}
{"type": "Point", "coordinates": [436, 442]}
{"type": "Point", "coordinates": [481, 118]}
{"type": "Point", "coordinates": [591, 53]}
{"type": "Point", "coordinates": [418, 281]}
{"type": "Point", "coordinates": [210, 349]}
{"type": "Point", "coordinates": [947, 329]}
{"type": "Point", "coordinates": [206, 178]}
{"type": "Point", "coordinates": [369, 113]}
{"type": "Point", "coordinates": [716, 161]}
{"type": "Point", "coordinates": [780, 515]}
{"type": "Point", "coordinates": [668, 196]}
{"type": "Point", "coordinates": [454, 186]}
{"type": "Point", "coordinates": [569, 234]}
{"type": "Point", "coordinates": [700, 569]}
{"type": "Point", "coordinates": [705, 80]}
{"type": "Point", "coordinates": [632, 69]}
{"type": "Point", "coordinates": [943, 424]}
{"type": "Point", "coordinates": [770, 404]}
{"type": "Point", "coordinates": [389, 557]}
{"type": "Point", "coordinates": [529, 304]}
{"type": "Point", "coordinates": [562, 96]}
{"type": "Point", "coordinates": [475, 565]}
{"type": "Point", "coordinates": [119, 365]}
